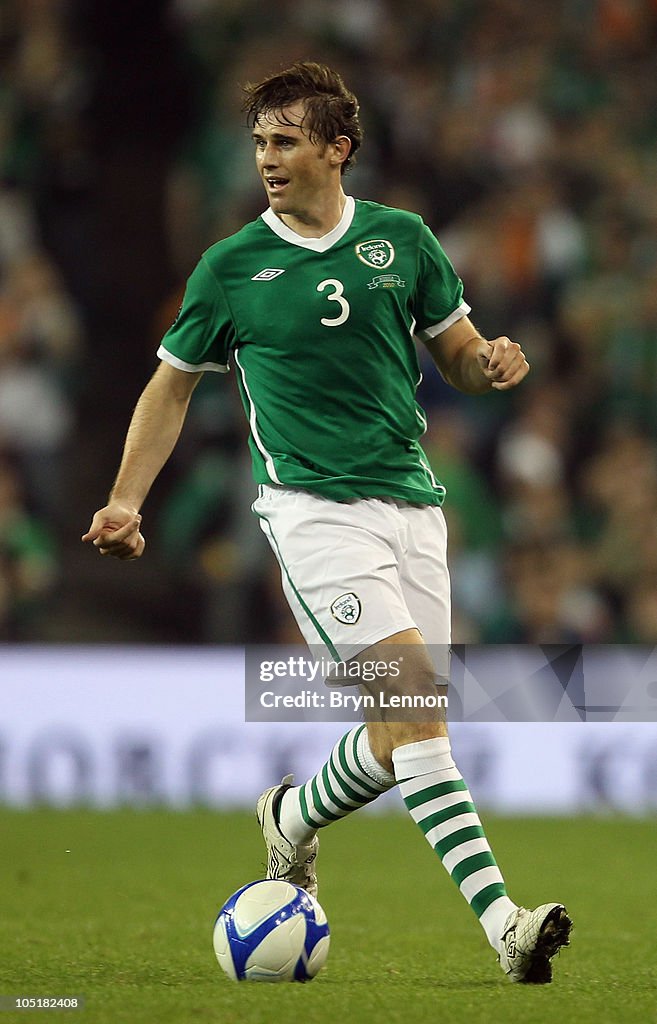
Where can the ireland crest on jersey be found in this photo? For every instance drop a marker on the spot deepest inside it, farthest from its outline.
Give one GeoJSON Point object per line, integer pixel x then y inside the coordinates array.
{"type": "Point", "coordinates": [346, 609]}
{"type": "Point", "coordinates": [377, 253]}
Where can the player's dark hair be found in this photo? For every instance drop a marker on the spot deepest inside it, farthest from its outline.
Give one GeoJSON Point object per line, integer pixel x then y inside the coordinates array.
{"type": "Point", "coordinates": [331, 109]}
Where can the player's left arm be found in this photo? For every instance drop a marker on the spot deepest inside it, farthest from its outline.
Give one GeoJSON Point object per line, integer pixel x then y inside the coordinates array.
{"type": "Point", "coordinates": [474, 365]}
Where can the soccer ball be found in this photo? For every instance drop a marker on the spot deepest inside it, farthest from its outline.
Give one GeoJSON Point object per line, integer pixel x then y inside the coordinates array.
{"type": "Point", "coordinates": [271, 931]}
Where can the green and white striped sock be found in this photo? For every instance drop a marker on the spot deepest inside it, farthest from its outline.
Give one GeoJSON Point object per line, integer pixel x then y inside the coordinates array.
{"type": "Point", "coordinates": [438, 800]}
{"type": "Point", "coordinates": [351, 778]}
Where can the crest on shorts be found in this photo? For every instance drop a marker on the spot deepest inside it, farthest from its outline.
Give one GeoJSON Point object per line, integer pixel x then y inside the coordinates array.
{"type": "Point", "coordinates": [346, 609]}
{"type": "Point", "coordinates": [377, 253]}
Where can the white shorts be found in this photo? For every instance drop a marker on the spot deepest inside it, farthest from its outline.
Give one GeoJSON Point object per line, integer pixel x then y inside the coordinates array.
{"type": "Point", "coordinates": [357, 572]}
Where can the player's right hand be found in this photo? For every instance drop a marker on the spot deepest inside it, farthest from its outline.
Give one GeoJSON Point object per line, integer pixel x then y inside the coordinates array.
{"type": "Point", "coordinates": [114, 531]}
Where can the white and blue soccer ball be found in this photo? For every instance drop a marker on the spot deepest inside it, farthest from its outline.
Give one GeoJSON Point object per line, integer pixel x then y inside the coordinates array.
{"type": "Point", "coordinates": [271, 931]}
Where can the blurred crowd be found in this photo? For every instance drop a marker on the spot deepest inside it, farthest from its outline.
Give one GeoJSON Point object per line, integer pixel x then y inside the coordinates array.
{"type": "Point", "coordinates": [41, 332]}
{"type": "Point", "coordinates": [526, 136]}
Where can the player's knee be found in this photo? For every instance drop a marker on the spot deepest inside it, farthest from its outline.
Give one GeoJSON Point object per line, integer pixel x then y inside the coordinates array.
{"type": "Point", "coordinates": [419, 684]}
{"type": "Point", "coordinates": [412, 676]}
{"type": "Point", "coordinates": [408, 670]}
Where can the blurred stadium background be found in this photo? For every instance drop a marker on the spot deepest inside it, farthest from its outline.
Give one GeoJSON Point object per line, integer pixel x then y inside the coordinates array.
{"type": "Point", "coordinates": [524, 133]}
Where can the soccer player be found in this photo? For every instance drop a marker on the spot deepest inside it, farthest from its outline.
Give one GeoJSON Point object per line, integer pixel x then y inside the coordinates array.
{"type": "Point", "coordinates": [317, 303]}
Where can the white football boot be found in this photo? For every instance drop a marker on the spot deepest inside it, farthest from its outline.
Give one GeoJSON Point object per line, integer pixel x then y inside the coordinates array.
{"type": "Point", "coordinates": [290, 863]}
{"type": "Point", "coordinates": [530, 940]}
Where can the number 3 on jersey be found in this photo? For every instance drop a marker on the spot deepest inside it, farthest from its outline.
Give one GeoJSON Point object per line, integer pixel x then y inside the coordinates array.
{"type": "Point", "coordinates": [337, 295]}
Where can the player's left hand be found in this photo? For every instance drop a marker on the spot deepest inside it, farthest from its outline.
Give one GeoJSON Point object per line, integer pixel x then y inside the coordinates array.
{"type": "Point", "coordinates": [504, 364]}
{"type": "Point", "coordinates": [115, 531]}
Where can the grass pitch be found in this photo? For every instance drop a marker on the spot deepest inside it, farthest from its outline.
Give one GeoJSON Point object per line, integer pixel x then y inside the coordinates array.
{"type": "Point", "coordinates": [118, 908]}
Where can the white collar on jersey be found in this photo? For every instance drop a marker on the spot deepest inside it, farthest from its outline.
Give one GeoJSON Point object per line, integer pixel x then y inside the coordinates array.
{"type": "Point", "coordinates": [316, 244]}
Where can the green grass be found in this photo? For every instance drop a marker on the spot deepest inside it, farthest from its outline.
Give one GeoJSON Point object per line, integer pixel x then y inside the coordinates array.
{"type": "Point", "coordinates": [118, 908]}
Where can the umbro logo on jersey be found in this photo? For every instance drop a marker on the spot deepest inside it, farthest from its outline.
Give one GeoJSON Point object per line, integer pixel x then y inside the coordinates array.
{"type": "Point", "coordinates": [377, 253]}
{"type": "Point", "coordinates": [268, 274]}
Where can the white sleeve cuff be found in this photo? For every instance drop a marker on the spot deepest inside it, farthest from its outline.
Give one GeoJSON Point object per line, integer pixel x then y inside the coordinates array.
{"type": "Point", "coordinates": [180, 364]}
{"type": "Point", "coordinates": [431, 332]}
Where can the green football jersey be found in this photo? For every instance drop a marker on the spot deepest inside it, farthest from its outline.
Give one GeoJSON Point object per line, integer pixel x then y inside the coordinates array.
{"type": "Point", "coordinates": [322, 333]}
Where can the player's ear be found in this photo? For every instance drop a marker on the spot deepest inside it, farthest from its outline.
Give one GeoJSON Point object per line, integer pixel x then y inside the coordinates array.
{"type": "Point", "coordinates": [340, 149]}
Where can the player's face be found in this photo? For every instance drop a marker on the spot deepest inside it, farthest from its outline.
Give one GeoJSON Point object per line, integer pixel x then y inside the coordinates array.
{"type": "Point", "coordinates": [298, 175]}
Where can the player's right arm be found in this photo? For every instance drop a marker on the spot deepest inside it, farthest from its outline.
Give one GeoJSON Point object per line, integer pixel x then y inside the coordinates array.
{"type": "Point", "coordinates": [154, 429]}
